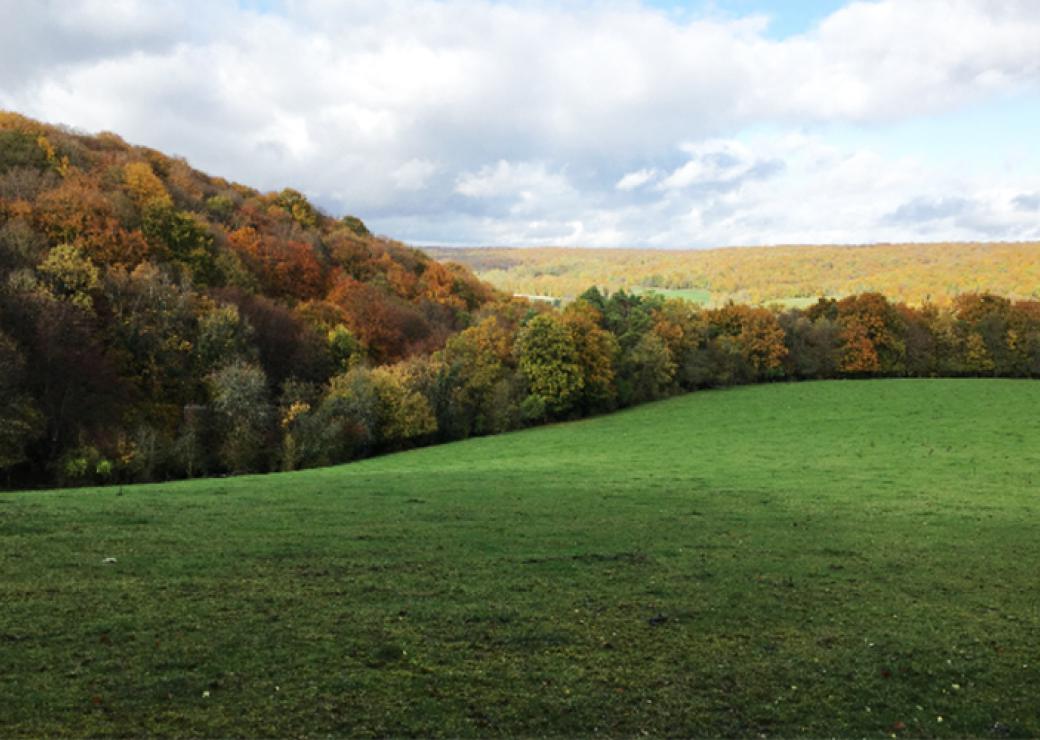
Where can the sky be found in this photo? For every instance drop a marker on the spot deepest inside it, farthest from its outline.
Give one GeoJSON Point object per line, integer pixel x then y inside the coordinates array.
{"type": "Point", "coordinates": [576, 123]}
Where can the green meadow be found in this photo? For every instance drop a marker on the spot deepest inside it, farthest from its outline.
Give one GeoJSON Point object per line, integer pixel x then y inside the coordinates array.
{"type": "Point", "coordinates": [694, 295]}
{"type": "Point", "coordinates": [834, 558]}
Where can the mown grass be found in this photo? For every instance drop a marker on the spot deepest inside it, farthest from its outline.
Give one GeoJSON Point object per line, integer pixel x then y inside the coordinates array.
{"type": "Point", "coordinates": [841, 558]}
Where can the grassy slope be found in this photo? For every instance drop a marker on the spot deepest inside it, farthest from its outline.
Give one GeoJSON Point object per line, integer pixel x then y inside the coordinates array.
{"type": "Point", "coordinates": [824, 558]}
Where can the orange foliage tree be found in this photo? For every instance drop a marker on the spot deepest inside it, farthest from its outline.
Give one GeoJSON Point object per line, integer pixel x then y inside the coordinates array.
{"type": "Point", "coordinates": [77, 212]}
{"type": "Point", "coordinates": [871, 331]}
{"type": "Point", "coordinates": [390, 328]}
{"type": "Point", "coordinates": [285, 268]}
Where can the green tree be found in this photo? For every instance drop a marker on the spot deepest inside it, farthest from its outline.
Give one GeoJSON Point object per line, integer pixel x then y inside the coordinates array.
{"type": "Point", "coordinates": [70, 275]}
{"type": "Point", "coordinates": [20, 245]}
{"type": "Point", "coordinates": [352, 398]}
{"type": "Point", "coordinates": [597, 351]}
{"type": "Point", "coordinates": [479, 365]}
{"type": "Point", "coordinates": [240, 399]}
{"type": "Point", "coordinates": [223, 335]}
{"type": "Point", "coordinates": [182, 238]}
{"type": "Point", "coordinates": [549, 362]}
{"type": "Point", "coordinates": [150, 328]}
{"type": "Point", "coordinates": [356, 226]}
{"type": "Point", "coordinates": [405, 414]}
{"type": "Point", "coordinates": [344, 347]}
{"type": "Point", "coordinates": [297, 206]}
{"type": "Point", "coordinates": [649, 368]}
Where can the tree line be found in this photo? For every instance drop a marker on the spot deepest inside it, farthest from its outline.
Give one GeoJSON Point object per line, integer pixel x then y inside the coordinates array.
{"type": "Point", "coordinates": [516, 365]}
{"type": "Point", "coordinates": [158, 323]}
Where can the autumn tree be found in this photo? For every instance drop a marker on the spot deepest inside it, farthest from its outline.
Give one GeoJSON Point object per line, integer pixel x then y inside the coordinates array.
{"type": "Point", "coordinates": [285, 267]}
{"type": "Point", "coordinates": [684, 329]}
{"type": "Point", "coordinates": [22, 149]}
{"type": "Point", "coordinates": [391, 329]}
{"type": "Point", "coordinates": [69, 275]}
{"type": "Point", "coordinates": [479, 366]}
{"type": "Point", "coordinates": [871, 334]}
{"type": "Point", "coordinates": [761, 340]}
{"type": "Point", "coordinates": [982, 324]}
{"type": "Point", "coordinates": [404, 414]}
{"type": "Point", "coordinates": [597, 353]}
{"type": "Point", "coordinates": [79, 213]}
{"type": "Point", "coordinates": [145, 189]}
{"type": "Point", "coordinates": [21, 246]}
{"type": "Point", "coordinates": [1023, 339]}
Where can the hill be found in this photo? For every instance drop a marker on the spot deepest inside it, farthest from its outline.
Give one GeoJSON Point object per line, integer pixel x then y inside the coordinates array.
{"type": "Point", "coordinates": [134, 290]}
{"type": "Point", "coordinates": [820, 559]}
{"type": "Point", "coordinates": [791, 275]}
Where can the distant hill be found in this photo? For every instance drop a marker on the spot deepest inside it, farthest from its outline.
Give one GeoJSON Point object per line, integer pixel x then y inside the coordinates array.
{"type": "Point", "coordinates": [910, 273]}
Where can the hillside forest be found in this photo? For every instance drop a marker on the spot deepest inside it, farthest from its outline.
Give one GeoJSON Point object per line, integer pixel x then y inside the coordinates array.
{"type": "Point", "coordinates": [789, 275]}
{"type": "Point", "coordinates": [159, 323]}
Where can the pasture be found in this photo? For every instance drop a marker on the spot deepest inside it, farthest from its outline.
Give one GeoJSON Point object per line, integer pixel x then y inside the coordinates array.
{"type": "Point", "coordinates": [835, 558]}
{"type": "Point", "coordinates": [694, 295]}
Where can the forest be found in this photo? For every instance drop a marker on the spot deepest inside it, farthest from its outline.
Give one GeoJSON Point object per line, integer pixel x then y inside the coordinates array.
{"type": "Point", "coordinates": [790, 275]}
{"type": "Point", "coordinates": [159, 323]}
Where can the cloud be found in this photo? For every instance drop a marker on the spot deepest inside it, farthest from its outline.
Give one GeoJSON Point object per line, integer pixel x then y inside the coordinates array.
{"type": "Point", "coordinates": [1027, 202]}
{"type": "Point", "coordinates": [414, 174]}
{"type": "Point", "coordinates": [609, 122]}
{"type": "Point", "coordinates": [523, 187]}
{"type": "Point", "coordinates": [924, 210]}
{"type": "Point", "coordinates": [637, 179]}
{"type": "Point", "coordinates": [719, 164]}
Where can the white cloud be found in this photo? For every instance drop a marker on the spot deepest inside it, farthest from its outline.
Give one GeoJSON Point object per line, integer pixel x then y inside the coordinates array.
{"type": "Point", "coordinates": [605, 122]}
{"type": "Point", "coordinates": [637, 179]}
{"type": "Point", "coordinates": [414, 174]}
{"type": "Point", "coordinates": [718, 163]}
{"type": "Point", "coordinates": [524, 184]}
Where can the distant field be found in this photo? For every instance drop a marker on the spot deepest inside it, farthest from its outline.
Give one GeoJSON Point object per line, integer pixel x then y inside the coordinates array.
{"type": "Point", "coordinates": [823, 559]}
{"type": "Point", "coordinates": [690, 294]}
{"type": "Point", "coordinates": [790, 275]}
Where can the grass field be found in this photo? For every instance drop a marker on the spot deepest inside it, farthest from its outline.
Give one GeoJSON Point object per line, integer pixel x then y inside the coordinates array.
{"type": "Point", "coordinates": [840, 558]}
{"type": "Point", "coordinates": [696, 295]}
